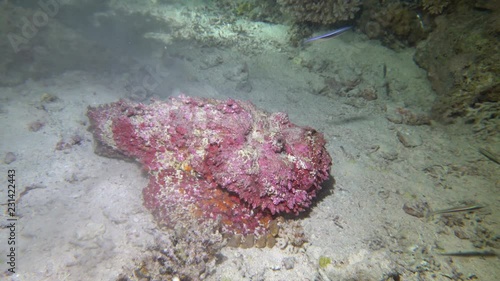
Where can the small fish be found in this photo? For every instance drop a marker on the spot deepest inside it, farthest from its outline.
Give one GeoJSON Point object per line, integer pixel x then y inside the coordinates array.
{"type": "Point", "coordinates": [470, 254]}
{"type": "Point", "coordinates": [456, 210]}
{"type": "Point", "coordinates": [330, 34]}
{"type": "Point", "coordinates": [490, 155]}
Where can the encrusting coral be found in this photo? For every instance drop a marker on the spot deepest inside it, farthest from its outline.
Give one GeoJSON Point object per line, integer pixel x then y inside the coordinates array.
{"type": "Point", "coordinates": [220, 160]}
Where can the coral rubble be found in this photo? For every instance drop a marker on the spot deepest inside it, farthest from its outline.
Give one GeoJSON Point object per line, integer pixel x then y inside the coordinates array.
{"type": "Point", "coordinates": [219, 160]}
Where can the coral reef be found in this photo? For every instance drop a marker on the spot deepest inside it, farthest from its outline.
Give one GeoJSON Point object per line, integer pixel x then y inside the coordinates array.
{"type": "Point", "coordinates": [435, 7]}
{"type": "Point", "coordinates": [224, 161]}
{"type": "Point", "coordinates": [461, 57]}
{"type": "Point", "coordinates": [396, 24]}
{"type": "Point", "coordinates": [320, 11]}
{"type": "Point", "coordinates": [485, 118]}
{"type": "Point", "coordinates": [256, 10]}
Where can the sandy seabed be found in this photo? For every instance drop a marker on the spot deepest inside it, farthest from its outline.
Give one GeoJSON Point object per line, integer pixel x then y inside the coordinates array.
{"type": "Point", "coordinates": [80, 216]}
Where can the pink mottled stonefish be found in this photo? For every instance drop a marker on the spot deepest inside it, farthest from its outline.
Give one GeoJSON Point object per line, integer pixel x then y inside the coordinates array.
{"type": "Point", "coordinates": [214, 159]}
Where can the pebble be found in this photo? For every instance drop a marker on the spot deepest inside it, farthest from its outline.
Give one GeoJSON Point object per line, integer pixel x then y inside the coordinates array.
{"type": "Point", "coordinates": [35, 126]}
{"type": "Point", "coordinates": [417, 209]}
{"type": "Point", "coordinates": [9, 157]}
{"type": "Point", "coordinates": [247, 241]}
{"type": "Point", "coordinates": [388, 153]}
{"type": "Point", "coordinates": [409, 138]}
{"type": "Point", "coordinates": [289, 262]}
{"type": "Point", "coordinates": [234, 241]}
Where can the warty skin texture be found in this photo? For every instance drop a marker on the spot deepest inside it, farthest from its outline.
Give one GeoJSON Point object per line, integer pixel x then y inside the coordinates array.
{"type": "Point", "coordinates": [223, 160]}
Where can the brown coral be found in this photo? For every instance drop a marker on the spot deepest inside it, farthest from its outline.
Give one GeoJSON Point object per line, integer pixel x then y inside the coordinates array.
{"type": "Point", "coordinates": [372, 29]}
{"type": "Point", "coordinates": [319, 11]}
{"type": "Point", "coordinates": [461, 58]}
{"type": "Point", "coordinates": [456, 57]}
{"type": "Point", "coordinates": [394, 23]}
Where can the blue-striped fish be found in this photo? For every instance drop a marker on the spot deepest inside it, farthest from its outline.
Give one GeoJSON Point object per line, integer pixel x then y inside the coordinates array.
{"type": "Point", "coordinates": [330, 34]}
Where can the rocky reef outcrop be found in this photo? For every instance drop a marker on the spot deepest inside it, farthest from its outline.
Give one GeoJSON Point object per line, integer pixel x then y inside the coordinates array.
{"type": "Point", "coordinates": [461, 57]}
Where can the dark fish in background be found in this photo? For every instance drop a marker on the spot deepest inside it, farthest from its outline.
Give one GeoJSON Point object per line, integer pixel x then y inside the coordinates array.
{"type": "Point", "coordinates": [490, 155]}
{"type": "Point", "coordinates": [470, 254]}
{"type": "Point", "coordinates": [330, 34]}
